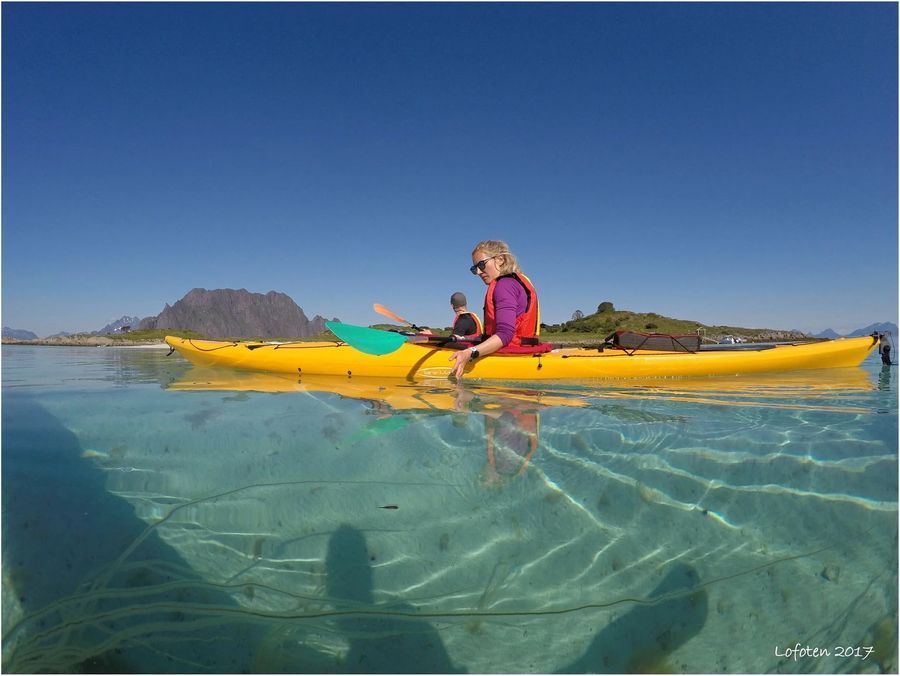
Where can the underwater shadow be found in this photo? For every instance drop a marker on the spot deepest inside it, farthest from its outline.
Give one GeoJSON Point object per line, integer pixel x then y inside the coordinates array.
{"type": "Point", "coordinates": [378, 644]}
{"type": "Point", "coordinates": [640, 640]}
{"type": "Point", "coordinates": [77, 605]}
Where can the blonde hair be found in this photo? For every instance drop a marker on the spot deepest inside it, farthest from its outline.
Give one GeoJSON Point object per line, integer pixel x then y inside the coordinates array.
{"type": "Point", "coordinates": [497, 247]}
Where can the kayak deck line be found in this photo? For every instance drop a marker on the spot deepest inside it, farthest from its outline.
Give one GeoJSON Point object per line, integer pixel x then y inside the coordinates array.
{"type": "Point", "coordinates": [253, 344]}
{"type": "Point", "coordinates": [293, 345]}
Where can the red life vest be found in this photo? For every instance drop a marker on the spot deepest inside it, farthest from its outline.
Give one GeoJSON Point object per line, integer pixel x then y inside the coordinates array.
{"type": "Point", "coordinates": [479, 328]}
{"type": "Point", "coordinates": [528, 324]}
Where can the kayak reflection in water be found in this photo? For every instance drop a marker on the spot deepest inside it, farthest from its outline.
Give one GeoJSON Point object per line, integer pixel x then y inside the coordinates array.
{"type": "Point", "coordinates": [511, 316]}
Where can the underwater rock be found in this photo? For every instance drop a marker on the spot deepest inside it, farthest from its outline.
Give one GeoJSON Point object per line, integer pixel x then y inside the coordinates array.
{"type": "Point", "coordinates": [332, 427]}
{"type": "Point", "coordinates": [831, 573]}
{"type": "Point", "coordinates": [579, 443]}
{"type": "Point", "coordinates": [199, 419]}
{"type": "Point", "coordinates": [554, 495]}
{"type": "Point", "coordinates": [648, 495]}
{"type": "Point", "coordinates": [241, 396]}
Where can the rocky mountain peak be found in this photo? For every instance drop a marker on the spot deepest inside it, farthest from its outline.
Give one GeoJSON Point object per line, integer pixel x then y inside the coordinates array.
{"type": "Point", "coordinates": [237, 313]}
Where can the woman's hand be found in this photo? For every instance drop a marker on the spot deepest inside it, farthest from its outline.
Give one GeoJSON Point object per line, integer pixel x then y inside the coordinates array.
{"type": "Point", "coordinates": [462, 358]}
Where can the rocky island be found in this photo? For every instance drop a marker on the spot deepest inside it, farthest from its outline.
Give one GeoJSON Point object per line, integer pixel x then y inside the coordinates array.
{"type": "Point", "coordinates": [216, 313]}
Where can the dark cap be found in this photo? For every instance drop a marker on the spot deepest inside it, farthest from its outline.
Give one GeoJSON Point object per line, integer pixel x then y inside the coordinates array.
{"type": "Point", "coordinates": [458, 299]}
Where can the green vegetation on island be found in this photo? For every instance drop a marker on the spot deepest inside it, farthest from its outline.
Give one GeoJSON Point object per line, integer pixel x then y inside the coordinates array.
{"type": "Point", "coordinates": [597, 326]}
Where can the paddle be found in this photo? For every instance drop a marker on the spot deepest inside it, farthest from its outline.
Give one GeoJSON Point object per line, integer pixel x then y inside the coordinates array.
{"type": "Point", "coordinates": [382, 310]}
{"type": "Point", "coordinates": [364, 339]}
{"type": "Point", "coordinates": [376, 341]}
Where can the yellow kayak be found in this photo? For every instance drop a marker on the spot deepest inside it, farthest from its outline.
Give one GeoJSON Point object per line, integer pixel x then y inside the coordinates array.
{"type": "Point", "coordinates": [416, 361]}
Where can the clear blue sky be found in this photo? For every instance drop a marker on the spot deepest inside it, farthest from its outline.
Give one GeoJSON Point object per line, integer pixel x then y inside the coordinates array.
{"type": "Point", "coordinates": [727, 163]}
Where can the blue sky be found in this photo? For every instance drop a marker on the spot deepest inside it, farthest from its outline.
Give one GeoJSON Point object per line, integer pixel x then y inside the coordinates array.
{"type": "Point", "coordinates": [727, 163]}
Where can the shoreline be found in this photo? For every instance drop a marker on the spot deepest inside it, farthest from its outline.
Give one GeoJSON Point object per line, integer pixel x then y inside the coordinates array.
{"type": "Point", "coordinates": [87, 342]}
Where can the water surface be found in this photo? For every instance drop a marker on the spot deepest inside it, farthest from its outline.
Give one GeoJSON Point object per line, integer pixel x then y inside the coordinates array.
{"type": "Point", "coordinates": [162, 518]}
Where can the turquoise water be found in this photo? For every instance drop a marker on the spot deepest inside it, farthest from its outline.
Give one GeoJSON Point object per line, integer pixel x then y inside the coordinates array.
{"type": "Point", "coordinates": [161, 518]}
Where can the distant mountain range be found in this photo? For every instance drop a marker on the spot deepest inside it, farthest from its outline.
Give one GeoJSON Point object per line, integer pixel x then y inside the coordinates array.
{"type": "Point", "coordinates": [883, 327]}
{"type": "Point", "coordinates": [119, 324]}
{"type": "Point", "coordinates": [18, 334]}
{"type": "Point", "coordinates": [230, 313]}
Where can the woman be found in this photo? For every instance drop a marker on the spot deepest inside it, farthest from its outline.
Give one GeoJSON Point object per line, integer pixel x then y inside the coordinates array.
{"type": "Point", "coordinates": [511, 317]}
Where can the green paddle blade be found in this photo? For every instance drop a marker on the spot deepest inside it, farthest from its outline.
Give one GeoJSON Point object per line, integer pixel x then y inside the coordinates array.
{"type": "Point", "coordinates": [364, 339]}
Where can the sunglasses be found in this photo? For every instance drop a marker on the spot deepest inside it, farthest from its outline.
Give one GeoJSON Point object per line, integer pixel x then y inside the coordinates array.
{"type": "Point", "coordinates": [481, 265]}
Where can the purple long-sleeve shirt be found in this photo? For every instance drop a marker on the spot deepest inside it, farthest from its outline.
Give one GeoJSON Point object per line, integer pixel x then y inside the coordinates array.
{"type": "Point", "coordinates": [510, 300]}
